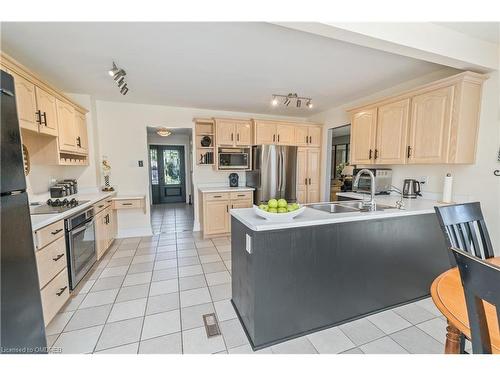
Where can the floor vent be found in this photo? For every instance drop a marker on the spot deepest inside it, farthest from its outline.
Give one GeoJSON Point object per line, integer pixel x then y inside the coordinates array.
{"type": "Point", "coordinates": [211, 325]}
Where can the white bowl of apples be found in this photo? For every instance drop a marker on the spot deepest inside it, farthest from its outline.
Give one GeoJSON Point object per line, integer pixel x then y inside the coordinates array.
{"type": "Point", "coordinates": [278, 210]}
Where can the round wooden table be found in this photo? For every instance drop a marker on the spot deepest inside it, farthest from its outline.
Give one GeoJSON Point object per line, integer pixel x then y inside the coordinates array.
{"type": "Point", "coordinates": [448, 296]}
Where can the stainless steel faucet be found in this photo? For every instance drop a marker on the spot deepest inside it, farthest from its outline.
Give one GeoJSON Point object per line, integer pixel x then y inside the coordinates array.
{"type": "Point", "coordinates": [371, 204]}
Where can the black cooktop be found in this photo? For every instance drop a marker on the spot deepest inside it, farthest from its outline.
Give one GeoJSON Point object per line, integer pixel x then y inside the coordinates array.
{"type": "Point", "coordinates": [55, 206]}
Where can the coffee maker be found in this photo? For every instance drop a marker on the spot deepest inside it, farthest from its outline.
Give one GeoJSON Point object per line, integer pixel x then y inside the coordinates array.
{"type": "Point", "coordinates": [233, 180]}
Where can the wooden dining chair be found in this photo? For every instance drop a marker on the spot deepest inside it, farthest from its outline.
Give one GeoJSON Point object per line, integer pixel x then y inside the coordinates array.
{"type": "Point", "coordinates": [464, 228]}
{"type": "Point", "coordinates": [481, 282]}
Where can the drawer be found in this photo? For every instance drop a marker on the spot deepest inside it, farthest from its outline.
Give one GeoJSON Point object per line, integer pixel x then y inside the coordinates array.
{"type": "Point", "coordinates": [54, 295]}
{"type": "Point", "coordinates": [101, 205]}
{"type": "Point", "coordinates": [51, 260]}
{"type": "Point", "coordinates": [49, 234]}
{"type": "Point", "coordinates": [127, 203]}
{"type": "Point", "coordinates": [242, 195]}
{"type": "Point", "coordinates": [216, 196]}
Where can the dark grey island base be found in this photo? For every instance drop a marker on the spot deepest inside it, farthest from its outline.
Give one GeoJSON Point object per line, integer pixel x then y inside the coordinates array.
{"type": "Point", "coordinates": [300, 280]}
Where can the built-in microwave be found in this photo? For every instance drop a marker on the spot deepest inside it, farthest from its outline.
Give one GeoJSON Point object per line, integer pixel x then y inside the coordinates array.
{"type": "Point", "coordinates": [234, 158]}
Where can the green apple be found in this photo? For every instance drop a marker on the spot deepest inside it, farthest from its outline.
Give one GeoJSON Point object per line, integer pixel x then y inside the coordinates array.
{"type": "Point", "coordinates": [290, 208]}
{"type": "Point", "coordinates": [263, 207]}
{"type": "Point", "coordinates": [273, 210]}
{"type": "Point", "coordinates": [273, 203]}
{"type": "Point", "coordinates": [295, 206]}
{"type": "Point", "coordinates": [282, 203]}
{"type": "Point", "coordinates": [282, 210]}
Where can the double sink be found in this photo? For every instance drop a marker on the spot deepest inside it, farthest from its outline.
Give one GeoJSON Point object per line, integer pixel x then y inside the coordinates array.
{"type": "Point", "coordinates": [349, 206]}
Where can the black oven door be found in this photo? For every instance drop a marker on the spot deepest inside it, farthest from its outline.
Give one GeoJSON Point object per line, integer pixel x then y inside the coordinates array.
{"type": "Point", "coordinates": [82, 253]}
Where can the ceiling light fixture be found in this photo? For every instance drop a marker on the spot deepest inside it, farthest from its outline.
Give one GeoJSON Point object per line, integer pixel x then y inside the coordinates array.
{"type": "Point", "coordinates": [163, 132]}
{"type": "Point", "coordinates": [290, 98]}
{"type": "Point", "coordinates": [118, 75]}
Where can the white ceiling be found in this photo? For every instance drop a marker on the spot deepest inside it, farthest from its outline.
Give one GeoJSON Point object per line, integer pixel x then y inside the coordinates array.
{"type": "Point", "coordinates": [224, 66]}
{"type": "Point", "coordinates": [486, 31]}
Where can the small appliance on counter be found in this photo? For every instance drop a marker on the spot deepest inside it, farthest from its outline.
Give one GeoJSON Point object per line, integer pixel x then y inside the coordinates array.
{"type": "Point", "coordinates": [64, 188]}
{"type": "Point", "coordinates": [411, 188]}
{"type": "Point", "coordinates": [233, 180]}
{"type": "Point", "coordinates": [383, 181]}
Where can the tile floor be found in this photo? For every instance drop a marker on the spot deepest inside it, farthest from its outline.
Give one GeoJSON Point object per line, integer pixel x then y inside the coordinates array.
{"type": "Point", "coordinates": [148, 295]}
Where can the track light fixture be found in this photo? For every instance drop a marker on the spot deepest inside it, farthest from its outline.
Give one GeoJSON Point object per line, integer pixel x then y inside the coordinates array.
{"type": "Point", "coordinates": [290, 98]}
{"type": "Point", "coordinates": [118, 75]}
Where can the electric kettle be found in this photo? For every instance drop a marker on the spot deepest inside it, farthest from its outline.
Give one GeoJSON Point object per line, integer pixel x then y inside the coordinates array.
{"type": "Point", "coordinates": [411, 188]}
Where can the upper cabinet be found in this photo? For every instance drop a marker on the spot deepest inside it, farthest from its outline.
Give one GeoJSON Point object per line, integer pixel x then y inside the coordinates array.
{"type": "Point", "coordinates": [233, 133]}
{"type": "Point", "coordinates": [363, 129]}
{"type": "Point", "coordinates": [54, 127]}
{"type": "Point", "coordinates": [47, 111]}
{"type": "Point", "coordinates": [433, 124]}
{"type": "Point", "coordinates": [26, 103]}
{"type": "Point", "coordinates": [286, 133]}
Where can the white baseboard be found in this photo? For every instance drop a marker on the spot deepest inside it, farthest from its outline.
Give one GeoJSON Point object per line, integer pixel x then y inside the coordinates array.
{"type": "Point", "coordinates": [196, 226]}
{"type": "Point", "coordinates": [135, 232]}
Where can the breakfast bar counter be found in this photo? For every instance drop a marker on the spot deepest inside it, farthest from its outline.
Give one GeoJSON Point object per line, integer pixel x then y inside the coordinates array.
{"type": "Point", "coordinates": [321, 269]}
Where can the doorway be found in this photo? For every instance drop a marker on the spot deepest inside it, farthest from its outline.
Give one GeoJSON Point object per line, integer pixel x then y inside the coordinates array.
{"type": "Point", "coordinates": [168, 179]}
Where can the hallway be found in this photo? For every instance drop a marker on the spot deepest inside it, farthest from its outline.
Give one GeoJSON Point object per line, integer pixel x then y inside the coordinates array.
{"type": "Point", "coordinates": [171, 218]}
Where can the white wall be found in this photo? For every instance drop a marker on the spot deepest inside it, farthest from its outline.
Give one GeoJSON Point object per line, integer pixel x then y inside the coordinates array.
{"type": "Point", "coordinates": [123, 138]}
{"type": "Point", "coordinates": [475, 182]}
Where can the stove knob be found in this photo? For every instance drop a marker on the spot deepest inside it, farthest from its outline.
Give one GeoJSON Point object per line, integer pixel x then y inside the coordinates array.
{"type": "Point", "coordinates": [56, 203]}
{"type": "Point", "coordinates": [49, 202]}
{"type": "Point", "coordinates": [73, 202]}
{"type": "Point", "coordinates": [65, 202]}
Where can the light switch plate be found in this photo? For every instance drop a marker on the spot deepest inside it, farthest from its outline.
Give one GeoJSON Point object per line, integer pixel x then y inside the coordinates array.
{"type": "Point", "coordinates": [248, 244]}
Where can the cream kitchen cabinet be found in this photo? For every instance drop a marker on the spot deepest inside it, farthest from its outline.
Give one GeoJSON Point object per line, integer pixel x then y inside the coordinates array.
{"type": "Point", "coordinates": [215, 206]}
{"type": "Point", "coordinates": [308, 175]}
{"type": "Point", "coordinates": [308, 135]}
{"type": "Point", "coordinates": [363, 133]}
{"type": "Point", "coordinates": [392, 131]}
{"type": "Point", "coordinates": [82, 142]}
{"type": "Point", "coordinates": [67, 127]}
{"type": "Point", "coordinates": [26, 103]}
{"type": "Point", "coordinates": [105, 227]}
{"type": "Point", "coordinates": [435, 123]}
{"type": "Point", "coordinates": [47, 112]}
{"type": "Point", "coordinates": [233, 133]}
{"type": "Point", "coordinates": [273, 132]}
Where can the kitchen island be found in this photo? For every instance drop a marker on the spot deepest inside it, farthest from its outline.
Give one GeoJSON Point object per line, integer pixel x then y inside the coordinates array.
{"type": "Point", "coordinates": [321, 269]}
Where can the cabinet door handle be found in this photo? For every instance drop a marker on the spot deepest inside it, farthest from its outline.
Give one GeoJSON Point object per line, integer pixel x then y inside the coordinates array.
{"type": "Point", "coordinates": [101, 206]}
{"type": "Point", "coordinates": [238, 137]}
{"type": "Point", "coordinates": [309, 180]}
{"type": "Point", "coordinates": [61, 291]}
{"type": "Point", "coordinates": [55, 232]}
{"type": "Point", "coordinates": [126, 204]}
{"type": "Point", "coordinates": [278, 137]}
{"type": "Point", "coordinates": [274, 137]}
{"type": "Point", "coordinates": [310, 139]}
{"type": "Point", "coordinates": [408, 152]}
{"type": "Point", "coordinates": [38, 117]}
{"type": "Point", "coordinates": [78, 142]}
{"type": "Point", "coordinates": [307, 139]}
{"type": "Point", "coordinates": [306, 181]}
{"type": "Point", "coordinates": [370, 154]}
{"type": "Point", "coordinates": [376, 153]}
{"type": "Point", "coordinates": [58, 257]}
{"type": "Point", "coordinates": [217, 196]}
{"type": "Point", "coordinates": [241, 195]}
{"type": "Point", "coordinates": [227, 208]}
{"type": "Point", "coordinates": [44, 115]}
{"type": "Point", "coordinates": [232, 137]}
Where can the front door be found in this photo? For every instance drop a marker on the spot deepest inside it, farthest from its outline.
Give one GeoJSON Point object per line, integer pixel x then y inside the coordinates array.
{"type": "Point", "coordinates": [168, 174]}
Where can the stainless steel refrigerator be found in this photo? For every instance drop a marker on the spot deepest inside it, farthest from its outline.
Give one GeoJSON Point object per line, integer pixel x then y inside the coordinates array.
{"type": "Point", "coordinates": [22, 324]}
{"type": "Point", "coordinates": [274, 173]}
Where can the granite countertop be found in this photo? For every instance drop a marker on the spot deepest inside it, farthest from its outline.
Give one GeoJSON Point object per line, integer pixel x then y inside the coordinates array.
{"type": "Point", "coordinates": [312, 216]}
{"type": "Point", "coordinates": [40, 221]}
{"type": "Point", "coordinates": [217, 189]}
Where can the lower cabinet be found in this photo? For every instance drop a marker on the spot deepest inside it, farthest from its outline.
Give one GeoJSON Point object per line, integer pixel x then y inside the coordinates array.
{"type": "Point", "coordinates": [105, 229]}
{"type": "Point", "coordinates": [215, 206]}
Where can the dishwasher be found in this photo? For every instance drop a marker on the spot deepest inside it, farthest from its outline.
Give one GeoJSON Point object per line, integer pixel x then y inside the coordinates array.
{"type": "Point", "coordinates": [80, 245]}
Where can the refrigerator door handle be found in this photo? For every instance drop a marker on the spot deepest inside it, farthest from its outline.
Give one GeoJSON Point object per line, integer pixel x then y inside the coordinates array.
{"type": "Point", "coordinates": [6, 92]}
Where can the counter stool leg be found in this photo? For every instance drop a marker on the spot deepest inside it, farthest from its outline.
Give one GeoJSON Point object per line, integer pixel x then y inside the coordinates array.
{"type": "Point", "coordinates": [453, 340]}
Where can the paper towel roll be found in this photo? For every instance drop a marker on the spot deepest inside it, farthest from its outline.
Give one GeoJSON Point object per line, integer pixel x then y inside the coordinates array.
{"type": "Point", "coordinates": [447, 188]}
